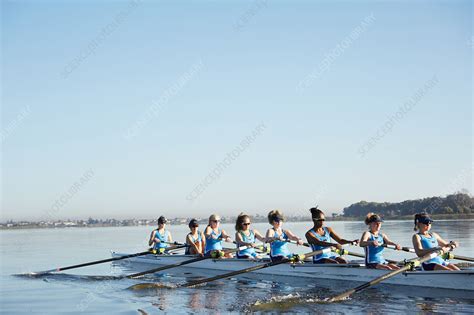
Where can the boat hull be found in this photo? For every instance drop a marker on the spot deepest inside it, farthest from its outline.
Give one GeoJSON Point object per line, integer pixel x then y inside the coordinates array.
{"type": "Point", "coordinates": [455, 280]}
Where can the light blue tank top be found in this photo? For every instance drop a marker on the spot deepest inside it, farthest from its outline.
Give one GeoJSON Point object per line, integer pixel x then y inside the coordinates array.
{"type": "Point", "coordinates": [247, 239]}
{"type": "Point", "coordinates": [213, 242]}
{"type": "Point", "coordinates": [431, 242]}
{"type": "Point", "coordinates": [163, 238]}
{"type": "Point", "coordinates": [323, 238]}
{"type": "Point", "coordinates": [194, 240]}
{"type": "Point", "coordinates": [279, 248]}
{"type": "Point", "coordinates": [373, 254]}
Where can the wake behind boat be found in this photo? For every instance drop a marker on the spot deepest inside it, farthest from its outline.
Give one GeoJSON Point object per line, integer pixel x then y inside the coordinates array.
{"type": "Point", "coordinates": [354, 271]}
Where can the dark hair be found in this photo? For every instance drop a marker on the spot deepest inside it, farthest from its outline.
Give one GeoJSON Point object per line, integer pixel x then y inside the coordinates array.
{"type": "Point", "coordinates": [193, 223]}
{"type": "Point", "coordinates": [275, 214]}
{"type": "Point", "coordinates": [162, 220]}
{"type": "Point", "coordinates": [419, 216]}
{"type": "Point", "coordinates": [372, 217]}
{"type": "Point", "coordinates": [240, 219]}
{"type": "Point", "coordinates": [316, 213]}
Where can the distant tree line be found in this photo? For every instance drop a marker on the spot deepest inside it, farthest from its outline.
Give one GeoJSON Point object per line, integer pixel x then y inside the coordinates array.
{"type": "Point", "coordinates": [459, 203]}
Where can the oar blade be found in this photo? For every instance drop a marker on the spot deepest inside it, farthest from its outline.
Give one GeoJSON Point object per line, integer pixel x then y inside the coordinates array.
{"type": "Point", "coordinates": [151, 286]}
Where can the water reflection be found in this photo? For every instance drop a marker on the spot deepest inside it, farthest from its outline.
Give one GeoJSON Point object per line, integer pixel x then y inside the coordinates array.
{"type": "Point", "coordinates": [195, 300]}
{"type": "Point", "coordinates": [427, 308]}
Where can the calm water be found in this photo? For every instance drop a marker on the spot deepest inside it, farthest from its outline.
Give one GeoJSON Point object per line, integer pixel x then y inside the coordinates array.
{"type": "Point", "coordinates": [33, 250]}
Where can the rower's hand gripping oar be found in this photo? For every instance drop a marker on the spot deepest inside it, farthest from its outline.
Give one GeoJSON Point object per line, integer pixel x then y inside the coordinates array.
{"type": "Point", "coordinates": [186, 262]}
{"type": "Point", "coordinates": [410, 265]}
{"type": "Point", "coordinates": [448, 255]}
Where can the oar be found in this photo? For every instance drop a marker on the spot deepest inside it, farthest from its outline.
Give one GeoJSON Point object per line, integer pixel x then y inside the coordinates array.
{"type": "Point", "coordinates": [342, 252]}
{"type": "Point", "coordinates": [410, 265]}
{"type": "Point", "coordinates": [254, 268]}
{"type": "Point", "coordinates": [91, 263]}
{"type": "Point", "coordinates": [405, 249]}
{"type": "Point", "coordinates": [450, 255]}
{"type": "Point", "coordinates": [175, 243]}
{"type": "Point", "coordinates": [186, 262]}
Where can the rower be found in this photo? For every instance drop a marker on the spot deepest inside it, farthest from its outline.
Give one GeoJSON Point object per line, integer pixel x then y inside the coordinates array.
{"type": "Point", "coordinates": [425, 242]}
{"type": "Point", "coordinates": [245, 236]}
{"type": "Point", "coordinates": [373, 241]}
{"type": "Point", "coordinates": [319, 237]}
{"type": "Point", "coordinates": [160, 237]}
{"type": "Point", "coordinates": [278, 238]}
{"type": "Point", "coordinates": [214, 237]}
{"type": "Point", "coordinates": [195, 239]}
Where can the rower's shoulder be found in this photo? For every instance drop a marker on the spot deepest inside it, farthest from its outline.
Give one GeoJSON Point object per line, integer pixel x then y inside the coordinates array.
{"type": "Point", "coordinates": [270, 231]}
{"type": "Point", "coordinates": [329, 229]}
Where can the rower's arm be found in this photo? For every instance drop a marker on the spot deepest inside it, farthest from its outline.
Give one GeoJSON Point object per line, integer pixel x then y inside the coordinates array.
{"type": "Point", "coordinates": [190, 242]}
{"type": "Point", "coordinates": [270, 236]}
{"type": "Point", "coordinates": [203, 241]}
{"type": "Point", "coordinates": [419, 250]}
{"type": "Point", "coordinates": [441, 241]}
{"type": "Point", "coordinates": [364, 242]}
{"type": "Point", "coordinates": [226, 236]}
{"type": "Point", "coordinates": [293, 237]}
{"type": "Point", "coordinates": [338, 239]}
{"type": "Point", "coordinates": [259, 236]}
{"type": "Point", "coordinates": [389, 242]}
{"type": "Point", "coordinates": [208, 232]}
{"type": "Point", "coordinates": [152, 238]}
{"type": "Point", "coordinates": [240, 241]}
{"type": "Point", "coordinates": [447, 245]}
{"type": "Point", "coordinates": [313, 240]}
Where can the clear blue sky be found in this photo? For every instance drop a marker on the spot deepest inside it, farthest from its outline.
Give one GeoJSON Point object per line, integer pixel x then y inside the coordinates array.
{"type": "Point", "coordinates": [254, 55]}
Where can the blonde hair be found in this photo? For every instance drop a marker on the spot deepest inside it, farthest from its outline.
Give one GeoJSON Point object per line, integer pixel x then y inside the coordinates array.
{"type": "Point", "coordinates": [214, 217]}
{"type": "Point", "coordinates": [272, 215]}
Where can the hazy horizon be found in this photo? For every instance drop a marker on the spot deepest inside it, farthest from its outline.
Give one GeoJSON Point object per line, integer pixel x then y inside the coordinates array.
{"type": "Point", "coordinates": [139, 108]}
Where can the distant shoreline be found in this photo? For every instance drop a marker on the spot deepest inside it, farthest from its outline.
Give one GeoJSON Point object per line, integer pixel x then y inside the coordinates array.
{"type": "Point", "coordinates": [446, 217]}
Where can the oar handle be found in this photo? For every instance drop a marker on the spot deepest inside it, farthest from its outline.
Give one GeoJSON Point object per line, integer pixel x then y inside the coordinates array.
{"type": "Point", "coordinates": [405, 249]}
{"type": "Point", "coordinates": [296, 243]}
{"type": "Point", "coordinates": [176, 243]}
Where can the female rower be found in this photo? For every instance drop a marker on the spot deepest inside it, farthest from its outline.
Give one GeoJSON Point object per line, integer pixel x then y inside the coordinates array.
{"type": "Point", "coordinates": [278, 238]}
{"type": "Point", "coordinates": [244, 236]}
{"type": "Point", "coordinates": [425, 242]}
{"type": "Point", "coordinates": [373, 241]}
{"type": "Point", "coordinates": [195, 239]}
{"type": "Point", "coordinates": [160, 237]}
{"type": "Point", "coordinates": [319, 237]}
{"type": "Point", "coordinates": [214, 236]}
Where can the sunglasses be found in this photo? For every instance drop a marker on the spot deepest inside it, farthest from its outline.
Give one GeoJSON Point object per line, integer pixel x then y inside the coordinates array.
{"type": "Point", "coordinates": [216, 221]}
{"type": "Point", "coordinates": [246, 223]}
{"type": "Point", "coordinates": [195, 226]}
{"type": "Point", "coordinates": [427, 223]}
{"type": "Point", "coordinates": [319, 220]}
